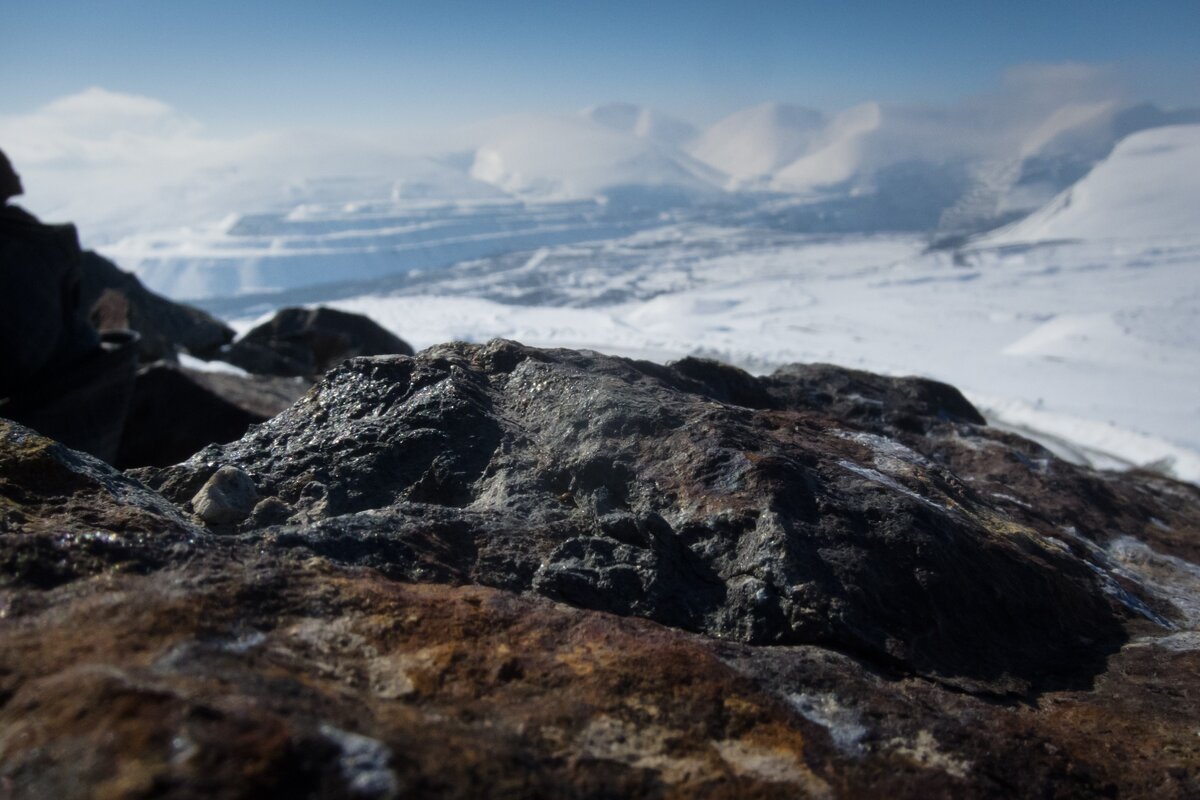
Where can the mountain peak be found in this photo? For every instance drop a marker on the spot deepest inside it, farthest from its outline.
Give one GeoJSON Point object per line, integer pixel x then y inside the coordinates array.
{"type": "Point", "coordinates": [759, 140]}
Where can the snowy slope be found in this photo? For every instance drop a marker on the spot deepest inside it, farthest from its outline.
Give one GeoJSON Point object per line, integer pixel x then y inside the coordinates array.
{"type": "Point", "coordinates": [314, 244]}
{"type": "Point", "coordinates": [1097, 353]}
{"type": "Point", "coordinates": [1147, 188]}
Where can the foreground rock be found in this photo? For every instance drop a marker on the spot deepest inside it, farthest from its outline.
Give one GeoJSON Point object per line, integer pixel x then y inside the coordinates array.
{"type": "Point", "coordinates": [500, 571]}
{"type": "Point", "coordinates": [65, 514]}
{"type": "Point", "coordinates": [626, 487]}
{"type": "Point", "coordinates": [282, 677]}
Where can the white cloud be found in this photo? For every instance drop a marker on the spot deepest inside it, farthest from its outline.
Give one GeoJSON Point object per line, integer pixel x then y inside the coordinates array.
{"type": "Point", "coordinates": [97, 125]}
{"type": "Point", "coordinates": [117, 164]}
{"type": "Point", "coordinates": [1045, 85]}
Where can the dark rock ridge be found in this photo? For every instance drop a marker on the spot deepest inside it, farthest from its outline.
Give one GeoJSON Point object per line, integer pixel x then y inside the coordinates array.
{"type": "Point", "coordinates": [175, 411]}
{"type": "Point", "coordinates": [308, 341]}
{"type": "Point", "coordinates": [165, 327]}
{"type": "Point", "coordinates": [768, 511]}
{"type": "Point", "coordinates": [825, 584]}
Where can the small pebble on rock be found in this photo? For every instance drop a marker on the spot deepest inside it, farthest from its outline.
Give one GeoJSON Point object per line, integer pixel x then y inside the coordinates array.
{"type": "Point", "coordinates": [227, 497]}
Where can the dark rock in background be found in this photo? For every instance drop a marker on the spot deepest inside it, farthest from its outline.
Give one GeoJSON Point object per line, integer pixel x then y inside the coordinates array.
{"type": "Point", "coordinates": [825, 584]}
{"type": "Point", "coordinates": [262, 395]}
{"type": "Point", "coordinates": [43, 324]}
{"type": "Point", "coordinates": [56, 373]}
{"type": "Point", "coordinates": [308, 341]}
{"type": "Point", "coordinates": [164, 325]}
{"type": "Point", "coordinates": [175, 412]}
{"type": "Point", "coordinates": [84, 403]}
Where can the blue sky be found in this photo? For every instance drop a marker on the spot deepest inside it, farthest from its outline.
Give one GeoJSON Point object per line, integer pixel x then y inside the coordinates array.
{"type": "Point", "coordinates": [245, 65]}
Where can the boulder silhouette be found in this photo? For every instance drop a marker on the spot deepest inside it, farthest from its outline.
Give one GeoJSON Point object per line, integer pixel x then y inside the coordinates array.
{"type": "Point", "coordinates": [56, 373]}
{"type": "Point", "coordinates": [308, 341]}
{"type": "Point", "coordinates": [174, 411]}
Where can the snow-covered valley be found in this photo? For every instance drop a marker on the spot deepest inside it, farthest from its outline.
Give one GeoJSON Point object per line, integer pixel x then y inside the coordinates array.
{"type": "Point", "coordinates": [1094, 346]}
{"type": "Point", "coordinates": [1089, 343]}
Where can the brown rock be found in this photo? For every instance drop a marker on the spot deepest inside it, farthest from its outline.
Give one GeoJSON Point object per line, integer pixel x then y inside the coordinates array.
{"type": "Point", "coordinates": [275, 677]}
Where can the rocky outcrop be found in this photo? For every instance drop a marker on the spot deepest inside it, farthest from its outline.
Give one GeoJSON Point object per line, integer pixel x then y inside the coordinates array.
{"type": "Point", "coordinates": [501, 571]}
{"type": "Point", "coordinates": [626, 487]}
{"type": "Point", "coordinates": [304, 342]}
{"type": "Point", "coordinates": [56, 373]}
{"type": "Point", "coordinates": [283, 677]}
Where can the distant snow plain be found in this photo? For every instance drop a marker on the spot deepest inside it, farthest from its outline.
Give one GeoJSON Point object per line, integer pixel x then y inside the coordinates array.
{"type": "Point", "coordinates": [1078, 324]}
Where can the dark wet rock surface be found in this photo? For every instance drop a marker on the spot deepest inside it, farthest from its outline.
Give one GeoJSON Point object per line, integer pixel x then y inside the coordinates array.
{"type": "Point", "coordinates": [501, 571]}
{"type": "Point", "coordinates": [626, 487]}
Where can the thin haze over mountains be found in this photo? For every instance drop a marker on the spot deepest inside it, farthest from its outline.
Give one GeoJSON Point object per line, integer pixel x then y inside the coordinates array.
{"type": "Point", "coordinates": [957, 168]}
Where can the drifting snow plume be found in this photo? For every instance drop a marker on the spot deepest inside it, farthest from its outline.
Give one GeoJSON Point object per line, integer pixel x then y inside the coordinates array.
{"type": "Point", "coordinates": [1070, 128]}
{"type": "Point", "coordinates": [120, 164]}
{"type": "Point", "coordinates": [840, 155]}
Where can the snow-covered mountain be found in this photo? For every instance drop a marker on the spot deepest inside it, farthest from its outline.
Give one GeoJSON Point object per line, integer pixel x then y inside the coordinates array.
{"type": "Point", "coordinates": [840, 154]}
{"type": "Point", "coordinates": [985, 172]}
{"type": "Point", "coordinates": [560, 157]}
{"type": "Point", "coordinates": [756, 142]}
{"type": "Point", "coordinates": [200, 217]}
{"type": "Point", "coordinates": [539, 180]}
{"type": "Point", "coordinates": [1147, 188]}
